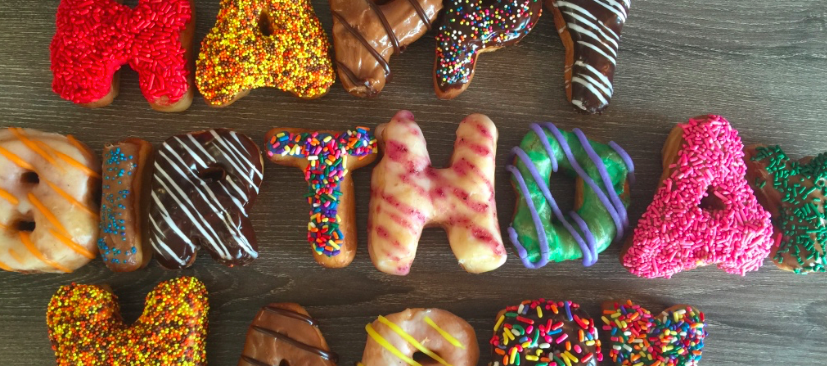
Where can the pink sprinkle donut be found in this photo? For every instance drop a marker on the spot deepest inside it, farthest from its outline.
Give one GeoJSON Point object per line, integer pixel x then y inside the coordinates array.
{"type": "Point", "coordinates": [704, 211]}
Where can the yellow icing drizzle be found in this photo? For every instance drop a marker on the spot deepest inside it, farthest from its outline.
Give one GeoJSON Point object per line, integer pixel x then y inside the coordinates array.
{"type": "Point", "coordinates": [448, 337]}
{"type": "Point", "coordinates": [72, 245]}
{"type": "Point", "coordinates": [8, 197]}
{"type": "Point", "coordinates": [384, 343]}
{"type": "Point", "coordinates": [24, 237]}
{"type": "Point", "coordinates": [407, 337]}
{"type": "Point", "coordinates": [71, 199]}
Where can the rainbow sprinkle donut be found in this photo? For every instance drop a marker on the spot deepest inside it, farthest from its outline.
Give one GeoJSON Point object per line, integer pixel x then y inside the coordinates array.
{"type": "Point", "coordinates": [540, 231]}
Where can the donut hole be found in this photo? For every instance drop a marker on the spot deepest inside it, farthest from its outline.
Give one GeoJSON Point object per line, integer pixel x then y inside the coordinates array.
{"type": "Point", "coordinates": [711, 202]}
{"type": "Point", "coordinates": [265, 24]}
{"type": "Point", "coordinates": [563, 189]}
{"type": "Point", "coordinates": [24, 225]}
{"type": "Point", "coordinates": [284, 363]}
{"type": "Point", "coordinates": [30, 178]}
{"type": "Point", "coordinates": [213, 173]}
{"type": "Point", "coordinates": [424, 359]}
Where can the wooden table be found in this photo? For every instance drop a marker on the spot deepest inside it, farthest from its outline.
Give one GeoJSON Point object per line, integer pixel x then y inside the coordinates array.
{"type": "Point", "coordinates": [760, 63]}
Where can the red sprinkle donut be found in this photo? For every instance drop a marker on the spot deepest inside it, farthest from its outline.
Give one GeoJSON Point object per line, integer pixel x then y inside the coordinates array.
{"type": "Point", "coordinates": [95, 38]}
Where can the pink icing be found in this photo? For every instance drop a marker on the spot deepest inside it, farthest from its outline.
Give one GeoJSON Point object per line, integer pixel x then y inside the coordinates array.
{"type": "Point", "coordinates": [675, 233]}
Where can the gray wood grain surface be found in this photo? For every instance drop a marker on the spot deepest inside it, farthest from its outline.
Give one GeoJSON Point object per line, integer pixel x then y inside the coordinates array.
{"type": "Point", "coordinates": [761, 63]}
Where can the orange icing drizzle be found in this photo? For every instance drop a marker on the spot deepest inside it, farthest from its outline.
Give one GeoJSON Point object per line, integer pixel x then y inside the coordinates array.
{"type": "Point", "coordinates": [8, 197]}
{"type": "Point", "coordinates": [48, 214]}
{"type": "Point", "coordinates": [4, 267]}
{"type": "Point", "coordinates": [15, 256]}
{"type": "Point", "coordinates": [69, 160]}
{"type": "Point", "coordinates": [24, 237]}
{"type": "Point", "coordinates": [71, 199]}
{"type": "Point", "coordinates": [79, 145]}
{"type": "Point", "coordinates": [18, 132]}
{"type": "Point", "coordinates": [72, 245]}
{"type": "Point", "coordinates": [16, 159]}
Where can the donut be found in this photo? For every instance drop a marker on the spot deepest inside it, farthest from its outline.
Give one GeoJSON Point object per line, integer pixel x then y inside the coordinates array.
{"type": "Point", "coordinates": [539, 230]}
{"type": "Point", "coordinates": [469, 28]}
{"type": "Point", "coordinates": [127, 171]}
{"type": "Point", "coordinates": [285, 334]}
{"type": "Point", "coordinates": [408, 194]}
{"type": "Point", "coordinates": [366, 34]}
{"type": "Point", "coordinates": [326, 158]}
{"type": "Point", "coordinates": [704, 211]}
{"type": "Point", "coordinates": [545, 333]}
{"type": "Point", "coordinates": [264, 43]}
{"type": "Point", "coordinates": [793, 192]}
{"type": "Point", "coordinates": [48, 202]}
{"type": "Point", "coordinates": [86, 327]}
{"type": "Point", "coordinates": [590, 31]}
{"type": "Point", "coordinates": [438, 334]}
{"type": "Point", "coordinates": [675, 337]}
{"type": "Point", "coordinates": [94, 38]}
{"type": "Point", "coordinates": [203, 186]}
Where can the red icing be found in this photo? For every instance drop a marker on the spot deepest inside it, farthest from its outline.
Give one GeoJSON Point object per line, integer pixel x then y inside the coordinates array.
{"type": "Point", "coordinates": [95, 38]}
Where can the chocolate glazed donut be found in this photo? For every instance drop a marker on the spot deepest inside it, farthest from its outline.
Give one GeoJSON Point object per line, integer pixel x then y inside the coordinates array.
{"type": "Point", "coordinates": [590, 31]}
{"type": "Point", "coordinates": [365, 35]}
{"type": "Point", "coordinates": [203, 185]}
{"type": "Point", "coordinates": [285, 334]}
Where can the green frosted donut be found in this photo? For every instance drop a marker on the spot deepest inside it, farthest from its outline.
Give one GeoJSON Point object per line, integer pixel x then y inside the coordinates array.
{"type": "Point", "coordinates": [540, 231]}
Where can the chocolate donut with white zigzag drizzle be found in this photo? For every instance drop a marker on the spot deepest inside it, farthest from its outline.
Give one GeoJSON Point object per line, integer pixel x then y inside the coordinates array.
{"type": "Point", "coordinates": [590, 31]}
{"type": "Point", "coordinates": [203, 185]}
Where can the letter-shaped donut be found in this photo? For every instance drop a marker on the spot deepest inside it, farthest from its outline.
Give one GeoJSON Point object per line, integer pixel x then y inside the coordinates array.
{"type": "Point", "coordinates": [48, 193]}
{"type": "Point", "coordinates": [590, 31]}
{"type": "Point", "coordinates": [264, 43]}
{"type": "Point", "coordinates": [203, 186]}
{"type": "Point", "coordinates": [469, 28]}
{"type": "Point", "coordinates": [326, 158]}
{"type": "Point", "coordinates": [444, 337]}
{"type": "Point", "coordinates": [86, 328]}
{"type": "Point", "coordinates": [407, 194]}
{"type": "Point", "coordinates": [540, 231]}
{"type": "Point", "coordinates": [95, 38]}
{"type": "Point", "coordinates": [366, 34]}
{"type": "Point", "coordinates": [704, 211]}
{"type": "Point", "coordinates": [285, 334]}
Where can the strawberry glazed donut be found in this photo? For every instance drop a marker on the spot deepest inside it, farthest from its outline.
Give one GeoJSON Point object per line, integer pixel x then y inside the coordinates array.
{"type": "Point", "coordinates": [444, 337]}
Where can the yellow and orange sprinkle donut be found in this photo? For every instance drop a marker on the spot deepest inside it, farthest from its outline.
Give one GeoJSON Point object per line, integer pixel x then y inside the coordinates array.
{"type": "Point", "coordinates": [264, 43]}
{"type": "Point", "coordinates": [86, 328]}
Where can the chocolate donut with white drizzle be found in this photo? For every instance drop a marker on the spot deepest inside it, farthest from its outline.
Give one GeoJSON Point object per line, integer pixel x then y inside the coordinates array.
{"type": "Point", "coordinates": [365, 35]}
{"type": "Point", "coordinates": [590, 31]}
{"type": "Point", "coordinates": [203, 186]}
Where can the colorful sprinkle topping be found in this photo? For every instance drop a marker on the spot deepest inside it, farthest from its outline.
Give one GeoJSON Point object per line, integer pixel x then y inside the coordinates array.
{"type": "Point", "coordinates": [257, 43]}
{"type": "Point", "coordinates": [112, 223]}
{"type": "Point", "coordinates": [674, 338]}
{"type": "Point", "coordinates": [545, 333]}
{"type": "Point", "coordinates": [86, 328]}
{"type": "Point", "coordinates": [469, 27]}
{"type": "Point", "coordinates": [801, 210]}
{"type": "Point", "coordinates": [704, 212]}
{"type": "Point", "coordinates": [95, 38]}
{"type": "Point", "coordinates": [328, 156]}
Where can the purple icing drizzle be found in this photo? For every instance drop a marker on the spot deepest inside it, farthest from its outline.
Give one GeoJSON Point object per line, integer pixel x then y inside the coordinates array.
{"type": "Point", "coordinates": [617, 212]}
{"type": "Point", "coordinates": [630, 166]}
{"type": "Point", "coordinates": [607, 181]}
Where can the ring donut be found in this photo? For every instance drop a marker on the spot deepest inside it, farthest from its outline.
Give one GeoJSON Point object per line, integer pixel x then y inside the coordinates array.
{"type": "Point", "coordinates": [704, 211]}
{"type": "Point", "coordinates": [540, 231]}
{"type": "Point", "coordinates": [794, 194]}
{"type": "Point", "coordinates": [264, 43]}
{"type": "Point", "coordinates": [438, 334]}
{"type": "Point", "coordinates": [326, 158]}
{"type": "Point", "coordinates": [48, 202]}
{"type": "Point", "coordinates": [541, 332]}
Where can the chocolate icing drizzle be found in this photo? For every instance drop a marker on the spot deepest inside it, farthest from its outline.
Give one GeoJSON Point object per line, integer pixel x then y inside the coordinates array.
{"type": "Point", "coordinates": [594, 27]}
{"type": "Point", "coordinates": [291, 314]}
{"type": "Point", "coordinates": [469, 27]}
{"type": "Point", "coordinates": [327, 355]}
{"type": "Point", "coordinates": [285, 338]}
{"type": "Point", "coordinates": [365, 43]}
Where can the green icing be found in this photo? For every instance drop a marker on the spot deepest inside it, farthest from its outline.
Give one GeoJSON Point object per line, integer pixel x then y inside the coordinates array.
{"type": "Point", "coordinates": [801, 218]}
{"type": "Point", "coordinates": [562, 246]}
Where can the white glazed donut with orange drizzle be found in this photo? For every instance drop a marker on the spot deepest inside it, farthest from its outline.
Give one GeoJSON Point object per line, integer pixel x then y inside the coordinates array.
{"type": "Point", "coordinates": [49, 185]}
{"type": "Point", "coordinates": [408, 194]}
{"type": "Point", "coordinates": [440, 336]}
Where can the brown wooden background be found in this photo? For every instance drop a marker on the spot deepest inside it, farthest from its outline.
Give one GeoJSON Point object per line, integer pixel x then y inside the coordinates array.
{"type": "Point", "coordinates": [761, 63]}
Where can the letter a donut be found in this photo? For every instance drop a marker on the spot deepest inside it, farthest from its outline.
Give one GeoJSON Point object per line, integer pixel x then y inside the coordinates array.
{"type": "Point", "coordinates": [203, 186]}
{"type": "Point", "coordinates": [407, 194]}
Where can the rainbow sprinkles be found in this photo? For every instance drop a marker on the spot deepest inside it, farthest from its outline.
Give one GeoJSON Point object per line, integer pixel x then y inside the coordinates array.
{"type": "Point", "coordinates": [327, 155]}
